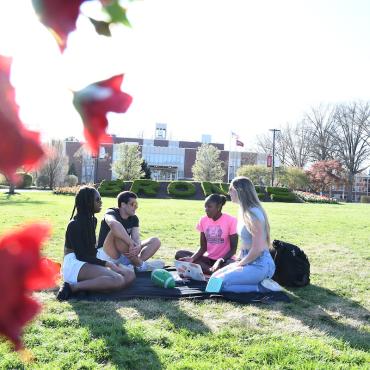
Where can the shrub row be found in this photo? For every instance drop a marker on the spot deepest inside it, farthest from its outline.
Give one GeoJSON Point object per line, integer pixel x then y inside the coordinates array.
{"type": "Point", "coordinates": [280, 194]}
{"type": "Point", "coordinates": [145, 187]}
{"type": "Point", "coordinates": [211, 188]}
{"type": "Point", "coordinates": [181, 189]}
{"type": "Point", "coordinates": [150, 188]}
{"type": "Point", "coordinates": [276, 190]}
{"type": "Point", "coordinates": [288, 197]}
{"type": "Point", "coordinates": [261, 196]}
{"type": "Point", "coordinates": [110, 188]}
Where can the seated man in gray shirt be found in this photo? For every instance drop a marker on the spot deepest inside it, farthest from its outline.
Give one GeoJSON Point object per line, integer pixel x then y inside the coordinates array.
{"type": "Point", "coordinates": [119, 238]}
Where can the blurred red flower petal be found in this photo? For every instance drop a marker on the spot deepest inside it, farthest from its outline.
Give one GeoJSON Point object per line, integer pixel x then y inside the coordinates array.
{"type": "Point", "coordinates": [22, 269]}
{"type": "Point", "coordinates": [19, 146]}
{"type": "Point", "coordinates": [60, 16]}
{"type": "Point", "coordinates": [94, 102]}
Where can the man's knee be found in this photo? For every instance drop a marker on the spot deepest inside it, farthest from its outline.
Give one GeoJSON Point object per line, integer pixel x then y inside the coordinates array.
{"type": "Point", "coordinates": [130, 277]}
{"type": "Point", "coordinates": [118, 281]}
{"type": "Point", "coordinates": [155, 242]}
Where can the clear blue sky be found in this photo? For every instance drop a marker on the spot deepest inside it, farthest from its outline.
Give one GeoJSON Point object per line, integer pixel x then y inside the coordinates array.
{"type": "Point", "coordinates": [201, 66]}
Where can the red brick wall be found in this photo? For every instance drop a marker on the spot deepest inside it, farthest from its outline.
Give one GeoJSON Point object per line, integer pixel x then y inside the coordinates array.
{"type": "Point", "coordinates": [190, 155]}
{"type": "Point", "coordinates": [71, 149]}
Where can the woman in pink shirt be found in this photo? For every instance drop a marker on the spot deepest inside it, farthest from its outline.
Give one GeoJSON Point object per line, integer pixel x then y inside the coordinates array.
{"type": "Point", "coordinates": [218, 237]}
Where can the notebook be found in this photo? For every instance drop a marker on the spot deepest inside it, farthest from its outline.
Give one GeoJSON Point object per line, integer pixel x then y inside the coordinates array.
{"type": "Point", "coordinates": [189, 270]}
{"type": "Point", "coordinates": [214, 285]}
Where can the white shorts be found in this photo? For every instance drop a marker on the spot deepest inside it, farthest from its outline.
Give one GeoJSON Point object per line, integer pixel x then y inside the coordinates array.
{"type": "Point", "coordinates": [71, 268]}
{"type": "Point", "coordinates": [104, 256]}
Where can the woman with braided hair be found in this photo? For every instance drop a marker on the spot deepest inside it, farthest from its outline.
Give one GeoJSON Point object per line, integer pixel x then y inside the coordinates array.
{"type": "Point", "coordinates": [82, 270]}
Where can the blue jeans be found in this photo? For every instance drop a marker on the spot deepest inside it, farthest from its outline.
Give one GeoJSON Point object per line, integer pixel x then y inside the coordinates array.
{"type": "Point", "coordinates": [245, 279]}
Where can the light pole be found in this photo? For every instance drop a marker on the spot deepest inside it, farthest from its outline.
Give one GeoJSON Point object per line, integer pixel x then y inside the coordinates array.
{"type": "Point", "coordinates": [274, 131]}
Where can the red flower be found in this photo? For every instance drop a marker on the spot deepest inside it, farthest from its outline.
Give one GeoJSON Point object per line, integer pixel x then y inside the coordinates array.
{"type": "Point", "coordinates": [94, 102]}
{"type": "Point", "coordinates": [22, 270]}
{"type": "Point", "coordinates": [60, 16]}
{"type": "Point", "coordinates": [19, 146]}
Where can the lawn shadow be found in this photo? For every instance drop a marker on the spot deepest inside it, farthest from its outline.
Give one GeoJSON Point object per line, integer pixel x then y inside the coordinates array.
{"type": "Point", "coordinates": [126, 350]}
{"type": "Point", "coordinates": [132, 349]}
{"type": "Point", "coordinates": [21, 202]}
{"type": "Point", "coordinates": [152, 309]}
{"type": "Point", "coordinates": [10, 199]}
{"type": "Point", "coordinates": [322, 309]}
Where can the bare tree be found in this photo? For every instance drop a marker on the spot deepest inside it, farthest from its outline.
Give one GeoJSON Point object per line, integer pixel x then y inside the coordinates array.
{"type": "Point", "coordinates": [321, 123]}
{"type": "Point", "coordinates": [56, 166]}
{"type": "Point", "coordinates": [264, 143]}
{"type": "Point", "coordinates": [352, 139]}
{"type": "Point", "coordinates": [296, 141]}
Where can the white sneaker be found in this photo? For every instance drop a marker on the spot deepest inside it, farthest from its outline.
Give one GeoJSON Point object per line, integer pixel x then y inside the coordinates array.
{"type": "Point", "coordinates": [150, 265]}
{"type": "Point", "coordinates": [271, 285]}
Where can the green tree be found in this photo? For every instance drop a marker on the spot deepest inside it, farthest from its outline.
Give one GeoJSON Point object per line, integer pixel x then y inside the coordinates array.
{"type": "Point", "coordinates": [128, 164]}
{"type": "Point", "coordinates": [293, 178]}
{"type": "Point", "coordinates": [146, 169]}
{"type": "Point", "coordinates": [208, 166]}
{"type": "Point", "coordinates": [259, 175]}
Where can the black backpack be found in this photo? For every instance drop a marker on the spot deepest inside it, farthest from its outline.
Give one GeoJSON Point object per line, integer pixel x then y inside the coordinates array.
{"type": "Point", "coordinates": [292, 265]}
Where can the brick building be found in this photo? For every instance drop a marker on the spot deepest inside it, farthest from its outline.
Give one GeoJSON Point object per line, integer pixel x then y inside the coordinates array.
{"type": "Point", "coordinates": [168, 159]}
{"type": "Point", "coordinates": [360, 187]}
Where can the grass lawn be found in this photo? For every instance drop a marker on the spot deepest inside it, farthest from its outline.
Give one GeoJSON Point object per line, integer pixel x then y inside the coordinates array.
{"type": "Point", "coordinates": [326, 326]}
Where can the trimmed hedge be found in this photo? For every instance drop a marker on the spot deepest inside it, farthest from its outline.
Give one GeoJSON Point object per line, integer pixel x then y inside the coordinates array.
{"type": "Point", "coordinates": [277, 190]}
{"type": "Point", "coordinates": [365, 199]}
{"type": "Point", "coordinates": [261, 196]}
{"type": "Point", "coordinates": [71, 180]}
{"type": "Point", "coordinates": [25, 180]}
{"type": "Point", "coordinates": [181, 189]}
{"type": "Point", "coordinates": [3, 180]}
{"type": "Point", "coordinates": [145, 187]}
{"type": "Point", "coordinates": [259, 189]}
{"type": "Point", "coordinates": [214, 188]}
{"type": "Point", "coordinates": [287, 197]}
{"type": "Point", "coordinates": [110, 188]}
{"type": "Point", "coordinates": [42, 181]}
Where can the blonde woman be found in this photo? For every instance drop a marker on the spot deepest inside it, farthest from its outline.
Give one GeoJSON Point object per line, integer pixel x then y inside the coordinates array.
{"type": "Point", "coordinates": [255, 267]}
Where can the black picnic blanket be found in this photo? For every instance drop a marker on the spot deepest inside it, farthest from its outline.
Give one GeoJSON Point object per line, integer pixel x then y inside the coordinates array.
{"type": "Point", "coordinates": [143, 287]}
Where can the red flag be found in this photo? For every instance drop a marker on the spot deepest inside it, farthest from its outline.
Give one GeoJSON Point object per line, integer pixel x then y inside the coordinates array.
{"type": "Point", "coordinates": [269, 160]}
{"type": "Point", "coordinates": [239, 143]}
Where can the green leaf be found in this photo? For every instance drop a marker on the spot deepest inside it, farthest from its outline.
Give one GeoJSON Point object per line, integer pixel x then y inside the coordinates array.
{"type": "Point", "coordinates": [117, 13]}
